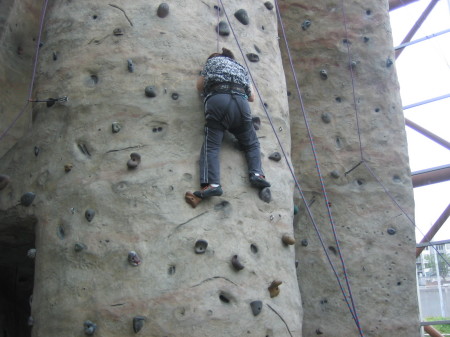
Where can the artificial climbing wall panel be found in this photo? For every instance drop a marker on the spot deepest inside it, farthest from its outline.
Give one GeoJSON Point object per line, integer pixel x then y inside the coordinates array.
{"type": "Point", "coordinates": [118, 250]}
{"type": "Point", "coordinates": [344, 61]}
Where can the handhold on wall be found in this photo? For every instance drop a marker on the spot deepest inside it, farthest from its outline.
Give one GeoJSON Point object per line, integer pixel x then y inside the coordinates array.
{"type": "Point", "coordinates": [288, 239]}
{"type": "Point", "coordinates": [130, 65]}
{"type": "Point", "coordinates": [175, 96]}
{"type": "Point", "coordinates": [200, 246]}
{"type": "Point", "coordinates": [27, 199]}
{"type": "Point", "coordinates": [273, 288]}
{"type": "Point", "coordinates": [256, 307]}
{"type": "Point", "coordinates": [118, 31]}
{"type": "Point", "coordinates": [134, 259]}
{"type": "Point", "coordinates": [150, 91]}
{"type": "Point", "coordinates": [295, 209]}
{"type": "Point", "coordinates": [68, 167]}
{"type": "Point", "coordinates": [276, 156]}
{"type": "Point", "coordinates": [236, 263]}
{"type": "Point", "coordinates": [304, 243]}
{"type": "Point", "coordinates": [323, 74]}
{"type": "Point", "coordinates": [256, 123]}
{"type": "Point", "coordinates": [268, 5]}
{"type": "Point", "coordinates": [163, 10]}
{"type": "Point", "coordinates": [389, 62]}
{"type": "Point", "coordinates": [335, 174]}
{"type": "Point", "coordinates": [242, 16]}
{"type": "Point", "coordinates": [134, 161]}
{"type": "Point", "coordinates": [89, 328]}
{"type": "Point", "coordinates": [36, 151]}
{"type": "Point", "coordinates": [325, 118]}
{"type": "Point", "coordinates": [31, 253]}
{"type": "Point", "coordinates": [55, 56]}
{"type": "Point", "coordinates": [253, 57]}
{"type": "Point", "coordinates": [4, 181]}
{"type": "Point", "coordinates": [265, 194]}
{"type": "Point", "coordinates": [223, 29]}
{"type": "Point", "coordinates": [89, 214]}
{"type": "Point", "coordinates": [115, 127]}
{"type": "Point", "coordinates": [391, 231]}
{"type": "Point", "coordinates": [306, 24]}
{"type": "Point", "coordinates": [138, 323]}
{"type": "Point", "coordinates": [78, 247]}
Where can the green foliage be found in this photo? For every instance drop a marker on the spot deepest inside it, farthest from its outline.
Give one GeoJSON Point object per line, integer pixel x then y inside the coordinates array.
{"type": "Point", "coordinates": [443, 328]}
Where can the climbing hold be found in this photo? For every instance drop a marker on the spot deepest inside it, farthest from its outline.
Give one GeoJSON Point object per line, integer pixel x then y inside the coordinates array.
{"type": "Point", "coordinates": [306, 24]}
{"type": "Point", "coordinates": [224, 298]}
{"type": "Point", "coordinates": [391, 231]}
{"type": "Point", "coordinates": [268, 5]}
{"type": "Point", "coordinates": [366, 39]}
{"type": "Point", "coordinates": [304, 243]}
{"type": "Point", "coordinates": [55, 56]}
{"type": "Point", "coordinates": [254, 248]}
{"type": "Point", "coordinates": [256, 307]}
{"type": "Point", "coordinates": [338, 99]}
{"type": "Point", "coordinates": [68, 167]}
{"type": "Point", "coordinates": [223, 29]}
{"type": "Point", "coordinates": [326, 118]}
{"type": "Point", "coordinates": [335, 174]}
{"type": "Point", "coordinates": [257, 49]}
{"type": "Point", "coordinates": [150, 91]}
{"type": "Point", "coordinates": [171, 270]}
{"type": "Point", "coordinates": [287, 239]}
{"type": "Point", "coordinates": [115, 126]}
{"type": "Point", "coordinates": [27, 199]}
{"type": "Point", "coordinates": [175, 96]}
{"type": "Point", "coordinates": [296, 263]}
{"type": "Point", "coordinates": [253, 57]}
{"type": "Point", "coordinates": [138, 323]}
{"type": "Point", "coordinates": [200, 246]}
{"type": "Point", "coordinates": [276, 156]}
{"type": "Point", "coordinates": [79, 247]}
{"type": "Point", "coordinates": [134, 259]}
{"type": "Point", "coordinates": [89, 214]}
{"type": "Point", "coordinates": [31, 253]}
{"type": "Point", "coordinates": [242, 16]}
{"type": "Point", "coordinates": [163, 10]}
{"type": "Point", "coordinates": [61, 232]}
{"type": "Point", "coordinates": [265, 194]}
{"type": "Point", "coordinates": [130, 65]}
{"type": "Point", "coordinates": [295, 209]}
{"type": "Point", "coordinates": [273, 288]}
{"type": "Point", "coordinates": [323, 74]}
{"type": "Point", "coordinates": [353, 64]}
{"type": "Point", "coordinates": [236, 263]}
{"type": "Point", "coordinates": [256, 123]}
{"type": "Point", "coordinates": [118, 31]}
{"type": "Point", "coordinates": [192, 199]}
{"type": "Point", "coordinates": [4, 181]}
{"type": "Point", "coordinates": [134, 161]}
{"type": "Point", "coordinates": [319, 332]}
{"type": "Point", "coordinates": [89, 328]}
{"type": "Point", "coordinates": [36, 151]}
{"type": "Point", "coordinates": [389, 62]}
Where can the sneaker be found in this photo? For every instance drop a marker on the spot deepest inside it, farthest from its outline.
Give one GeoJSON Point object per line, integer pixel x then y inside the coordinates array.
{"type": "Point", "coordinates": [209, 191]}
{"type": "Point", "coordinates": [258, 181]}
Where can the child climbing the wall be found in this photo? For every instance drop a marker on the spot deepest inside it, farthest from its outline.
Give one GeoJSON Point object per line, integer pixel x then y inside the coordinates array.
{"type": "Point", "coordinates": [226, 88]}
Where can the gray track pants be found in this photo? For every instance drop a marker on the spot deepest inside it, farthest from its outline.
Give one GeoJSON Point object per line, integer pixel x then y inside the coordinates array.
{"type": "Point", "coordinates": [232, 113]}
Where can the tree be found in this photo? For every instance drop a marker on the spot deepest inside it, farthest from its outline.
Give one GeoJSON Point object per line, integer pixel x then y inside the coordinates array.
{"type": "Point", "coordinates": [443, 263]}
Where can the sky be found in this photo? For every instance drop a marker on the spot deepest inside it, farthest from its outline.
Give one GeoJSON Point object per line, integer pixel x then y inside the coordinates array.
{"type": "Point", "coordinates": [423, 71]}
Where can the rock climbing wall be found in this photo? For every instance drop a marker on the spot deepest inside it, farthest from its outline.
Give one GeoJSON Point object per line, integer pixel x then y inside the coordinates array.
{"type": "Point", "coordinates": [118, 250]}
{"type": "Point", "coordinates": [344, 61]}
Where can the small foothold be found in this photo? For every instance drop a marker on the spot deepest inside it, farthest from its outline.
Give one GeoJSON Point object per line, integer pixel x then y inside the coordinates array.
{"type": "Point", "coordinates": [335, 174]}
{"type": "Point", "coordinates": [89, 214]}
{"type": "Point", "coordinates": [304, 243]}
{"type": "Point", "coordinates": [366, 39]}
{"type": "Point", "coordinates": [338, 99]}
{"type": "Point", "coordinates": [353, 64]}
{"type": "Point", "coordinates": [89, 328]}
{"type": "Point", "coordinates": [288, 239]}
{"type": "Point", "coordinates": [138, 323]}
{"type": "Point", "coordinates": [326, 118]}
{"type": "Point", "coordinates": [276, 156]}
{"type": "Point", "coordinates": [242, 16]}
{"type": "Point", "coordinates": [265, 194]}
{"type": "Point", "coordinates": [256, 123]}
{"type": "Point", "coordinates": [296, 263]}
{"type": "Point", "coordinates": [391, 231]}
{"type": "Point", "coordinates": [223, 28]}
{"type": "Point", "coordinates": [4, 181]}
{"type": "Point", "coordinates": [118, 31]}
{"type": "Point", "coordinates": [134, 259]}
{"type": "Point", "coordinates": [163, 10]}
{"type": "Point", "coordinates": [55, 56]}
{"type": "Point", "coordinates": [115, 126]}
{"type": "Point", "coordinates": [295, 209]}
{"type": "Point", "coordinates": [61, 232]}
{"type": "Point", "coordinates": [134, 161]}
{"type": "Point", "coordinates": [256, 307]}
{"type": "Point", "coordinates": [175, 96]}
{"type": "Point", "coordinates": [171, 270]}
{"type": "Point", "coordinates": [273, 288]}
{"type": "Point", "coordinates": [31, 253]}
{"type": "Point", "coordinates": [36, 151]}
{"type": "Point", "coordinates": [79, 247]}
{"type": "Point", "coordinates": [268, 5]}
{"type": "Point", "coordinates": [236, 263]}
{"type": "Point", "coordinates": [389, 62]}
{"type": "Point", "coordinates": [253, 57]}
{"type": "Point", "coordinates": [68, 167]}
{"type": "Point", "coordinates": [50, 102]}
{"type": "Point", "coordinates": [319, 332]}
{"type": "Point", "coordinates": [257, 49]}
{"type": "Point", "coordinates": [150, 91]}
{"type": "Point", "coordinates": [200, 246]}
{"type": "Point", "coordinates": [130, 65]}
{"type": "Point", "coordinates": [254, 248]}
{"type": "Point", "coordinates": [306, 24]}
{"type": "Point", "coordinates": [27, 199]}
{"type": "Point", "coordinates": [323, 74]}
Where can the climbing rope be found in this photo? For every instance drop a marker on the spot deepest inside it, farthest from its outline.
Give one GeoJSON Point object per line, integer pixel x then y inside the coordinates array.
{"type": "Point", "coordinates": [346, 298]}
{"type": "Point", "coordinates": [36, 55]}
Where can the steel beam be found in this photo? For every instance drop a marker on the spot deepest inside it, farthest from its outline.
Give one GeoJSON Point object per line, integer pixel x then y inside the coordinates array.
{"type": "Point", "coordinates": [432, 331]}
{"type": "Point", "coordinates": [433, 230]}
{"type": "Point", "coordinates": [428, 134]}
{"type": "Point", "coordinates": [431, 176]}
